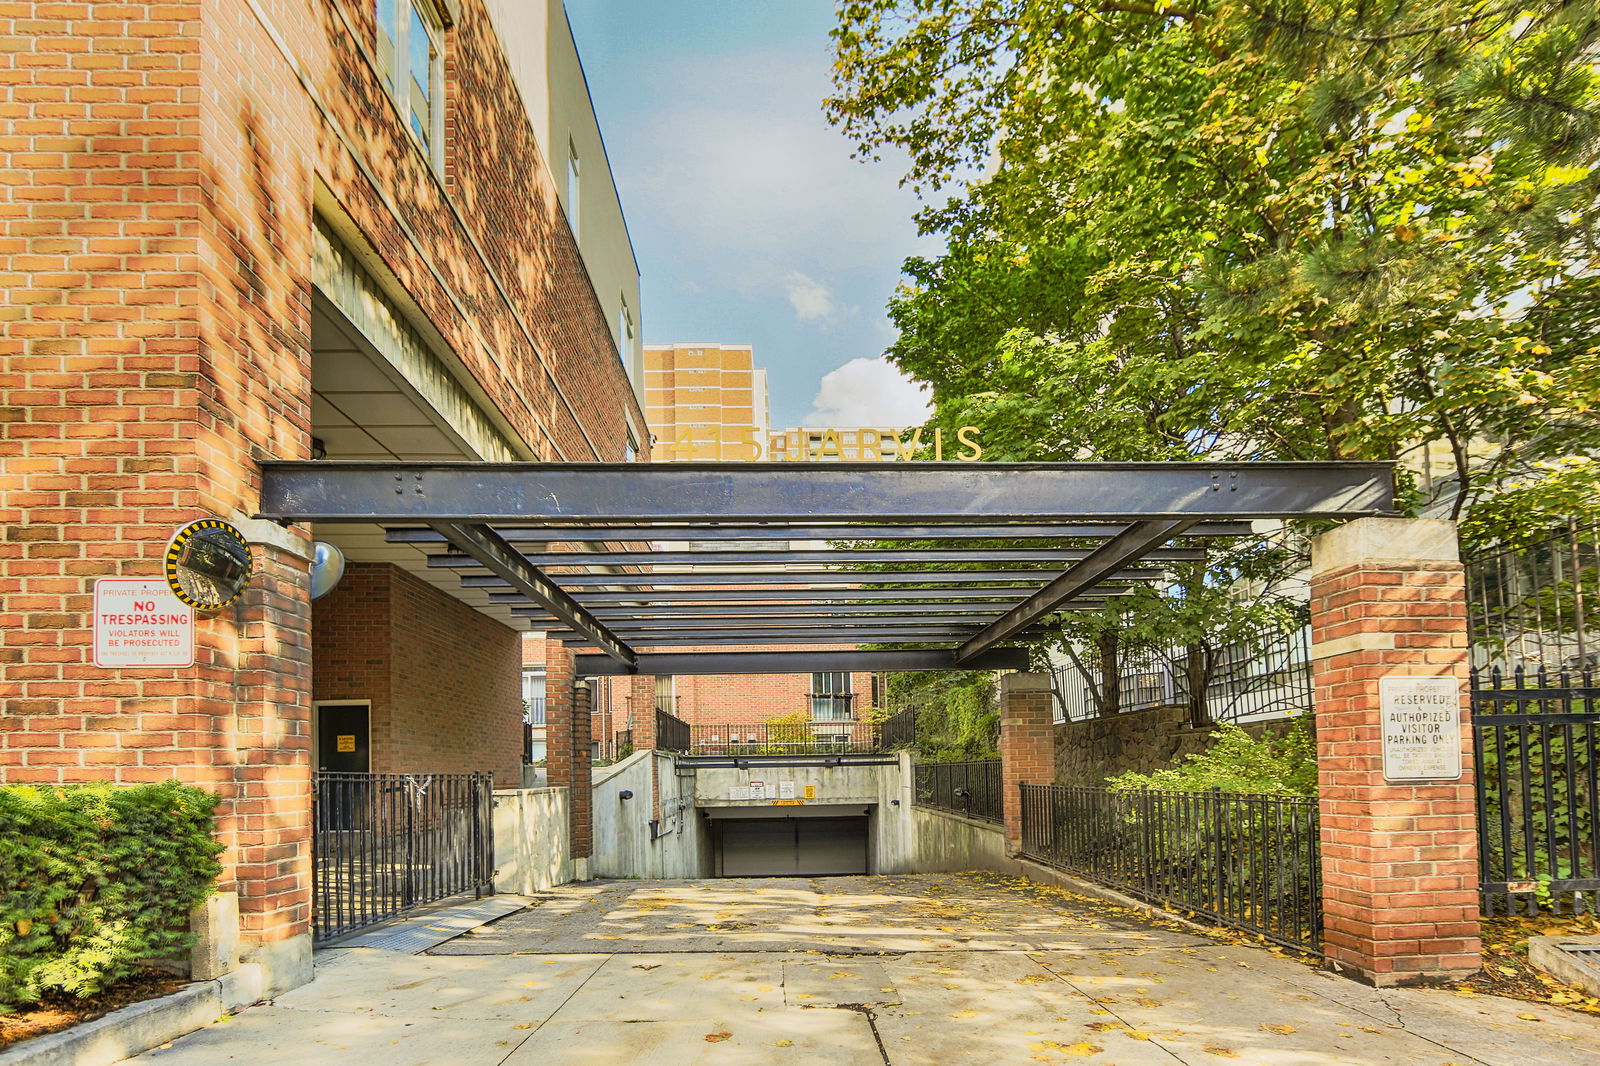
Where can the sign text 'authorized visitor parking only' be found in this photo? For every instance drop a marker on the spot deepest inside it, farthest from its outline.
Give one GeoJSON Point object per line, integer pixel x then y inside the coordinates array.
{"type": "Point", "coordinates": [1421, 728]}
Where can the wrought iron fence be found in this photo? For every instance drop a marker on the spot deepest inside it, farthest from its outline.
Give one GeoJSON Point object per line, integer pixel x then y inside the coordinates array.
{"type": "Point", "coordinates": [814, 737]}
{"type": "Point", "coordinates": [385, 843]}
{"type": "Point", "coordinates": [1268, 676]}
{"type": "Point", "coordinates": [898, 731]}
{"type": "Point", "coordinates": [971, 789]}
{"type": "Point", "coordinates": [1537, 742]}
{"type": "Point", "coordinates": [1247, 861]}
{"type": "Point", "coordinates": [672, 732]}
{"type": "Point", "coordinates": [1529, 607]}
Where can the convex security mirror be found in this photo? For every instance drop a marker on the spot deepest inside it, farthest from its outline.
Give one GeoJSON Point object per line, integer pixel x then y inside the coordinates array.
{"type": "Point", "coordinates": [208, 564]}
{"type": "Point", "coordinates": [327, 567]}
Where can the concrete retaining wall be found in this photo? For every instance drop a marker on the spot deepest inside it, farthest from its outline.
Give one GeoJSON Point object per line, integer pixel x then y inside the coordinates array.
{"type": "Point", "coordinates": [532, 839]}
{"type": "Point", "coordinates": [948, 842]}
{"type": "Point", "coordinates": [626, 844]}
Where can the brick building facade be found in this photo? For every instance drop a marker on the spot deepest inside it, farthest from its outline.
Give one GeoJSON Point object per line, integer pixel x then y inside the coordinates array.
{"type": "Point", "coordinates": [236, 231]}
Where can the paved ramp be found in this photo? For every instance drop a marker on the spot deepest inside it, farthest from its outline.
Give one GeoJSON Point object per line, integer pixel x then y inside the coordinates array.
{"type": "Point", "coordinates": [931, 970]}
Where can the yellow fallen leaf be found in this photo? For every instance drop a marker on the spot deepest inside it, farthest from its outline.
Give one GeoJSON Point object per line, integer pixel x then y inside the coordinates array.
{"type": "Point", "coordinates": [1281, 1030]}
{"type": "Point", "coordinates": [523, 1025]}
{"type": "Point", "coordinates": [718, 1037]}
{"type": "Point", "coordinates": [1529, 1017]}
{"type": "Point", "coordinates": [783, 1043]}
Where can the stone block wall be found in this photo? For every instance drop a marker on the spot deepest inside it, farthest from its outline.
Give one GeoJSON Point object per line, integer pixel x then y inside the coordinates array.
{"type": "Point", "coordinates": [1156, 738]}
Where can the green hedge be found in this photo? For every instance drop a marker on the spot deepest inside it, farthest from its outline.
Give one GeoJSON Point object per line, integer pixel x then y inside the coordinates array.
{"type": "Point", "coordinates": [96, 879]}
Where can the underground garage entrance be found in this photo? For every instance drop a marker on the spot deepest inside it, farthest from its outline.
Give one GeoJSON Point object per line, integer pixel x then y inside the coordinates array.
{"type": "Point", "coordinates": [782, 844]}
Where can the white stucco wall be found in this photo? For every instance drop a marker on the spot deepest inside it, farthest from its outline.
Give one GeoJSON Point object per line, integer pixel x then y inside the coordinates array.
{"type": "Point", "coordinates": [532, 839]}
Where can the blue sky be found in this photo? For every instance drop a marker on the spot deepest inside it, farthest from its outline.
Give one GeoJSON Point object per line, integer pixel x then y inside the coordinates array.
{"type": "Point", "coordinates": [750, 221]}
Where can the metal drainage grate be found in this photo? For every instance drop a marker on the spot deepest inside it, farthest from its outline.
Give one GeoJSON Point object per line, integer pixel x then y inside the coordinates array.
{"type": "Point", "coordinates": [415, 935]}
{"type": "Point", "coordinates": [1586, 955]}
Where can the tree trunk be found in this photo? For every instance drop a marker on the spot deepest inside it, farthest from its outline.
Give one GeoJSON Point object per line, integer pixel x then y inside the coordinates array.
{"type": "Point", "coordinates": [1107, 647]}
{"type": "Point", "coordinates": [1198, 677]}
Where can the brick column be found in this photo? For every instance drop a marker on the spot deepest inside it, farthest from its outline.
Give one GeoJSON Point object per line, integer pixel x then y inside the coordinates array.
{"type": "Point", "coordinates": [1027, 744]}
{"type": "Point", "coordinates": [566, 765]}
{"type": "Point", "coordinates": [641, 697]}
{"type": "Point", "coordinates": [582, 798]}
{"type": "Point", "coordinates": [1399, 859]}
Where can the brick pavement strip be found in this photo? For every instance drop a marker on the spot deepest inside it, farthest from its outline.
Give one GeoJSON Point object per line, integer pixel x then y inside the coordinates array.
{"type": "Point", "coordinates": [947, 969]}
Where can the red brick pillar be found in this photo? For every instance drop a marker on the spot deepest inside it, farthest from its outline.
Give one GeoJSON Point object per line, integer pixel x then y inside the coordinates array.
{"type": "Point", "coordinates": [1027, 744]}
{"type": "Point", "coordinates": [1399, 852]}
{"type": "Point", "coordinates": [583, 776]}
{"type": "Point", "coordinates": [641, 690]}
{"type": "Point", "coordinates": [567, 743]}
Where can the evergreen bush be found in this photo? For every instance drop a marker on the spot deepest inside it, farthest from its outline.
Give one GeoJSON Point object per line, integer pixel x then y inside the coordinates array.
{"type": "Point", "coordinates": [97, 880]}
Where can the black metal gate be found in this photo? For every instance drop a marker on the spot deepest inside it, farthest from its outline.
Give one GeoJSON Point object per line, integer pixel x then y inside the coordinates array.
{"type": "Point", "coordinates": [384, 843]}
{"type": "Point", "coordinates": [1537, 740]}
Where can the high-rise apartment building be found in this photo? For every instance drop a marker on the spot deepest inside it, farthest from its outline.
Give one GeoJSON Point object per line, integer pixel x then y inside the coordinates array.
{"type": "Point", "coordinates": [705, 402]}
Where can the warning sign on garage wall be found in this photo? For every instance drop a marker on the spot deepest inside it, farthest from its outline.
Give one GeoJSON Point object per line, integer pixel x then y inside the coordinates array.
{"type": "Point", "coordinates": [139, 622]}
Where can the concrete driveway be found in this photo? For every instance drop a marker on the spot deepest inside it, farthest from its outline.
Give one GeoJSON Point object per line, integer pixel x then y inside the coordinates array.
{"type": "Point", "coordinates": [946, 969]}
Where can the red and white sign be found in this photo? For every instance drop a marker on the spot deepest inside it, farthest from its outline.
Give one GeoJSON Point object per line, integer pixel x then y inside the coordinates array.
{"type": "Point", "coordinates": [139, 622]}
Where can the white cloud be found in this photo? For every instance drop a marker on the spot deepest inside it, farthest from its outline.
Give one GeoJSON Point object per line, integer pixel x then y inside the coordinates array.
{"type": "Point", "coordinates": [809, 297]}
{"type": "Point", "coordinates": [869, 392]}
{"type": "Point", "coordinates": [753, 184]}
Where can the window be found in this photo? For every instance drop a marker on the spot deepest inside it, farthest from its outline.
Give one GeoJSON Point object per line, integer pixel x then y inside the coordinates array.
{"type": "Point", "coordinates": [572, 188]}
{"type": "Point", "coordinates": [830, 697]}
{"type": "Point", "coordinates": [624, 330]}
{"type": "Point", "coordinates": [533, 697]}
{"type": "Point", "coordinates": [412, 62]}
{"type": "Point", "coordinates": [665, 699]}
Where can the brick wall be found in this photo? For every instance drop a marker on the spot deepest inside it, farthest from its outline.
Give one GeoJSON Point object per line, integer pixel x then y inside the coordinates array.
{"type": "Point", "coordinates": [456, 696]}
{"type": "Point", "coordinates": [444, 681]}
{"type": "Point", "coordinates": [744, 701]}
{"type": "Point", "coordinates": [164, 164]}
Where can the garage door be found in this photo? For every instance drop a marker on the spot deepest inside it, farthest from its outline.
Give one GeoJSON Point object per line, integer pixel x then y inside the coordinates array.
{"type": "Point", "coordinates": [779, 847]}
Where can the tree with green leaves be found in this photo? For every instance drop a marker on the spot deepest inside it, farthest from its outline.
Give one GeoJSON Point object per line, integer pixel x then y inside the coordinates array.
{"type": "Point", "coordinates": [1275, 229]}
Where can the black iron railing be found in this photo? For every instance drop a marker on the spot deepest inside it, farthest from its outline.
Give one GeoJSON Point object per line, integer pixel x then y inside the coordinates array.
{"type": "Point", "coordinates": [1248, 861]}
{"type": "Point", "coordinates": [1537, 744]}
{"type": "Point", "coordinates": [1266, 676]}
{"type": "Point", "coordinates": [672, 732]}
{"type": "Point", "coordinates": [384, 843]}
{"type": "Point", "coordinates": [972, 789]}
{"type": "Point", "coordinates": [898, 731]}
{"type": "Point", "coordinates": [817, 737]}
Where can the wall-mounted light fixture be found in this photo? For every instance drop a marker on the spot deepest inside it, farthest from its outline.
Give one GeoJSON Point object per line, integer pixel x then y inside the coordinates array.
{"type": "Point", "coordinates": [625, 794]}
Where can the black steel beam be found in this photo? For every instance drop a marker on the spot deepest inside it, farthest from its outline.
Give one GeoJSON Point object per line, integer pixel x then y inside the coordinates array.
{"type": "Point", "coordinates": [641, 627]}
{"type": "Point", "coordinates": [712, 530]}
{"type": "Point", "coordinates": [650, 612]}
{"type": "Point", "coordinates": [757, 639]}
{"type": "Point", "coordinates": [801, 662]}
{"type": "Point", "coordinates": [662, 597]}
{"type": "Point", "coordinates": [691, 493]}
{"type": "Point", "coordinates": [830, 577]}
{"type": "Point", "coordinates": [1109, 558]}
{"type": "Point", "coordinates": [811, 560]}
{"type": "Point", "coordinates": [506, 563]}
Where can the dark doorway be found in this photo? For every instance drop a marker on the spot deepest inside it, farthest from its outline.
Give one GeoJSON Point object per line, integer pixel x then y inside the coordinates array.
{"type": "Point", "coordinates": [790, 847]}
{"type": "Point", "coordinates": [342, 741]}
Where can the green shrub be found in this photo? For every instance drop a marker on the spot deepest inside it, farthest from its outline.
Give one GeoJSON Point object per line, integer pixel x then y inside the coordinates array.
{"type": "Point", "coordinates": [97, 879]}
{"type": "Point", "coordinates": [1238, 762]}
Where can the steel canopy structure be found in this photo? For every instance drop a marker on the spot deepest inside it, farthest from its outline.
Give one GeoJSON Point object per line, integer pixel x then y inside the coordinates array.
{"type": "Point", "coordinates": [629, 556]}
